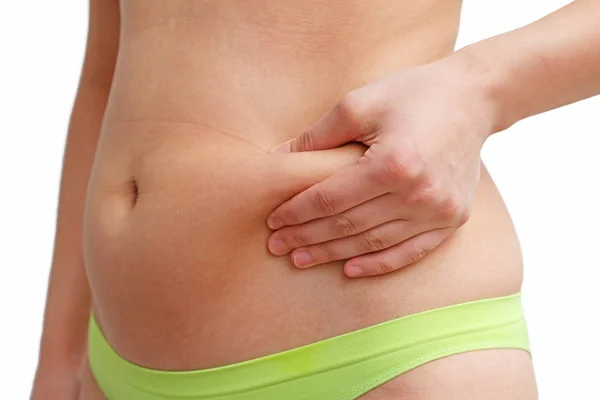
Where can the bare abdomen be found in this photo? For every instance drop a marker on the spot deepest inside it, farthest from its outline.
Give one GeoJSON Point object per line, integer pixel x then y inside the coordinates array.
{"type": "Point", "coordinates": [175, 233]}
{"type": "Point", "coordinates": [176, 253]}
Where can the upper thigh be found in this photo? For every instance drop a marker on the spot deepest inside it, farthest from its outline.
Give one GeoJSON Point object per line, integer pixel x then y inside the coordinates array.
{"type": "Point", "coordinates": [498, 374]}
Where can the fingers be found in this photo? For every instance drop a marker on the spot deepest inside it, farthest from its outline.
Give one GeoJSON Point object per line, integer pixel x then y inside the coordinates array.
{"type": "Point", "coordinates": [343, 190]}
{"type": "Point", "coordinates": [348, 119]}
{"type": "Point", "coordinates": [361, 218]}
{"type": "Point", "coordinates": [379, 171]}
{"type": "Point", "coordinates": [296, 172]}
{"type": "Point", "coordinates": [398, 256]}
{"type": "Point", "coordinates": [373, 240]}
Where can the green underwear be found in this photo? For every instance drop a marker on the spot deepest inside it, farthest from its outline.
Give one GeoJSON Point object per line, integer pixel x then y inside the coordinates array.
{"type": "Point", "coordinates": [339, 368]}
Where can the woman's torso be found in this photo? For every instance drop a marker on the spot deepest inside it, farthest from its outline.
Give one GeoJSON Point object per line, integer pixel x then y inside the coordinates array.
{"type": "Point", "coordinates": [175, 233]}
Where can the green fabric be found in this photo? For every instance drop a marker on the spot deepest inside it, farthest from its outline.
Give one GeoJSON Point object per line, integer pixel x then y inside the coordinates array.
{"type": "Point", "coordinates": [340, 368]}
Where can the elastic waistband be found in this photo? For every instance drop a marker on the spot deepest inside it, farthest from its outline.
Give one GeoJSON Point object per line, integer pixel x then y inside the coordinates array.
{"type": "Point", "coordinates": [496, 322]}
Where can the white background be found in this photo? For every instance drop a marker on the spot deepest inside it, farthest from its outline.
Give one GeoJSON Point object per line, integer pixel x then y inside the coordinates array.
{"type": "Point", "coordinates": [546, 167]}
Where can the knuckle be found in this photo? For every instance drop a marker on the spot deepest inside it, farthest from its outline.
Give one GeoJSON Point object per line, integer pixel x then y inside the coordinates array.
{"type": "Point", "coordinates": [344, 225]}
{"type": "Point", "coordinates": [323, 201]}
{"type": "Point", "coordinates": [426, 193]}
{"type": "Point", "coordinates": [400, 168]}
{"type": "Point", "coordinates": [326, 252]}
{"type": "Point", "coordinates": [288, 215]}
{"type": "Point", "coordinates": [449, 209]}
{"type": "Point", "coordinates": [463, 215]}
{"type": "Point", "coordinates": [373, 241]}
{"type": "Point", "coordinates": [416, 254]}
{"type": "Point", "coordinates": [297, 238]}
{"type": "Point", "coordinates": [453, 211]}
{"type": "Point", "coordinates": [305, 142]}
{"type": "Point", "coordinates": [384, 266]}
{"type": "Point", "coordinates": [396, 167]}
{"type": "Point", "coordinates": [349, 107]}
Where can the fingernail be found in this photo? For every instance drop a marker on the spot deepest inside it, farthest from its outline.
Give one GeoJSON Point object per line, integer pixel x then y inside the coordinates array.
{"type": "Point", "coordinates": [274, 223]}
{"type": "Point", "coordinates": [354, 271]}
{"type": "Point", "coordinates": [282, 148]}
{"type": "Point", "coordinates": [302, 259]}
{"type": "Point", "coordinates": [277, 247]}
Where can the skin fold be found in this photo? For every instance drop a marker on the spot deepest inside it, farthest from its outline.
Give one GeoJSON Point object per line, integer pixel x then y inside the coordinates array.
{"type": "Point", "coordinates": [169, 180]}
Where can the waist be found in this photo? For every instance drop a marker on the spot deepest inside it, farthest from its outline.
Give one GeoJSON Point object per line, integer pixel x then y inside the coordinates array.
{"type": "Point", "coordinates": [175, 248]}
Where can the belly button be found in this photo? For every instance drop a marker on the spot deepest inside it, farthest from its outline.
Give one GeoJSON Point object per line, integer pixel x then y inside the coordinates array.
{"type": "Point", "coordinates": [133, 192]}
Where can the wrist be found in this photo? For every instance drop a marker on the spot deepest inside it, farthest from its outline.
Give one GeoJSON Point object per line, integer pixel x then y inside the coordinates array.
{"type": "Point", "coordinates": [482, 83]}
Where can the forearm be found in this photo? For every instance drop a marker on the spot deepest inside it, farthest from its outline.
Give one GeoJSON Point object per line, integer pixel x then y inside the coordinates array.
{"type": "Point", "coordinates": [63, 343]}
{"type": "Point", "coordinates": [62, 348]}
{"type": "Point", "coordinates": [68, 302]}
{"type": "Point", "coordinates": [547, 64]}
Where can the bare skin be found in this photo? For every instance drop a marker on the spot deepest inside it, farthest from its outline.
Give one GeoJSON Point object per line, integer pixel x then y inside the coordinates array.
{"type": "Point", "coordinates": [174, 226]}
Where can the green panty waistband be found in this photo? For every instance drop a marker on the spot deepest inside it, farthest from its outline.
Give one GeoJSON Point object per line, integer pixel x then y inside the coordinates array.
{"type": "Point", "coordinates": [339, 368]}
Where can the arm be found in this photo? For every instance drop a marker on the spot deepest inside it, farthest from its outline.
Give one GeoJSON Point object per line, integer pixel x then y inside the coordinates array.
{"type": "Point", "coordinates": [425, 127]}
{"type": "Point", "coordinates": [62, 348]}
{"type": "Point", "coordinates": [547, 64]}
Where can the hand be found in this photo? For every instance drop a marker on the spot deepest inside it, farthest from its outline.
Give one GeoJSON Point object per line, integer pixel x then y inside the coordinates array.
{"type": "Point", "coordinates": [424, 128]}
{"type": "Point", "coordinates": [56, 382]}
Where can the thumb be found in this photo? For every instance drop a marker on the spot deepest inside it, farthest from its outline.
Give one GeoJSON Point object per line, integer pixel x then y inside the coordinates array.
{"type": "Point", "coordinates": [344, 123]}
